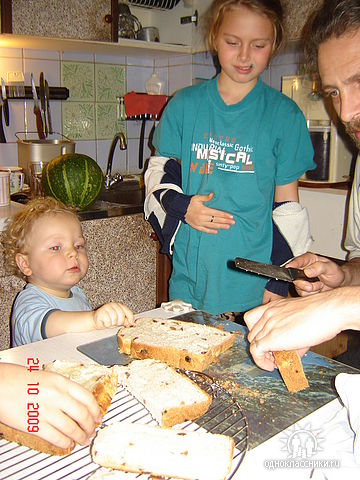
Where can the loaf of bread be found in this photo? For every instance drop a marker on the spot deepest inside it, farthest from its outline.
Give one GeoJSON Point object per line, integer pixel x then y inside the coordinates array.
{"type": "Point", "coordinates": [170, 397]}
{"type": "Point", "coordinates": [163, 452]}
{"type": "Point", "coordinates": [291, 370]}
{"type": "Point", "coordinates": [185, 345]}
{"type": "Point", "coordinates": [100, 380]}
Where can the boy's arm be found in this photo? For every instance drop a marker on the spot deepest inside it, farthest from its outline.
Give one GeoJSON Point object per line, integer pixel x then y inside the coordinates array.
{"type": "Point", "coordinates": [109, 315]}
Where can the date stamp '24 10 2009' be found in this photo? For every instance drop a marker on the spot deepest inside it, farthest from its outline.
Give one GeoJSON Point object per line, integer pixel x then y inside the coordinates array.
{"type": "Point", "coordinates": [33, 407]}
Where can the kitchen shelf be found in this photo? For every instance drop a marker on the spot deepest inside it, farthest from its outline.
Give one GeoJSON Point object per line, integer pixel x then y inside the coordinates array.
{"type": "Point", "coordinates": [124, 46]}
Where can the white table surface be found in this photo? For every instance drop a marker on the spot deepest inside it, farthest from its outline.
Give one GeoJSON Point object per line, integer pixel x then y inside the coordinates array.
{"type": "Point", "coordinates": [257, 461]}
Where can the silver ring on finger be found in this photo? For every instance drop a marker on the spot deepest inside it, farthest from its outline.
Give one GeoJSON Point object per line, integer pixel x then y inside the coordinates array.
{"type": "Point", "coordinates": [212, 218]}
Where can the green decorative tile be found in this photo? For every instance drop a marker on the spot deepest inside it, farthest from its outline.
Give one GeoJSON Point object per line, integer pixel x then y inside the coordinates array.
{"type": "Point", "coordinates": [110, 82]}
{"type": "Point", "coordinates": [78, 120]}
{"type": "Point", "coordinates": [79, 79]}
{"type": "Point", "coordinates": [106, 122]}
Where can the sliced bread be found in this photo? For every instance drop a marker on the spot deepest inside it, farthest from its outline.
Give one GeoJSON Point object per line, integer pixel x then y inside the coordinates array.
{"type": "Point", "coordinates": [180, 344]}
{"type": "Point", "coordinates": [170, 397]}
{"type": "Point", "coordinates": [291, 370]}
{"type": "Point", "coordinates": [163, 452]}
{"type": "Point", "coordinates": [101, 381]}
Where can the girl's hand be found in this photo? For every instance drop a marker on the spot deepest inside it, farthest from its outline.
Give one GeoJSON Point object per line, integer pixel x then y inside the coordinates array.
{"type": "Point", "coordinates": [113, 314]}
{"type": "Point", "coordinates": [206, 219]}
{"type": "Point", "coordinates": [67, 412]}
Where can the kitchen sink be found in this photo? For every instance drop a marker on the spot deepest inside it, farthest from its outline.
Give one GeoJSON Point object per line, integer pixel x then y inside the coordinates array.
{"type": "Point", "coordinates": [127, 192]}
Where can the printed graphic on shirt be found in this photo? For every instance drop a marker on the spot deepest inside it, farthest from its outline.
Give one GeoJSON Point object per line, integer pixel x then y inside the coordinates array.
{"type": "Point", "coordinates": [221, 153]}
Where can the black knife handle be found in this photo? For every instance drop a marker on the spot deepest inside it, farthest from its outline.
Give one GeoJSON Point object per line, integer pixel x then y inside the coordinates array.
{"type": "Point", "coordinates": [2, 133]}
{"type": "Point", "coordinates": [298, 274]}
{"type": "Point", "coordinates": [6, 112]}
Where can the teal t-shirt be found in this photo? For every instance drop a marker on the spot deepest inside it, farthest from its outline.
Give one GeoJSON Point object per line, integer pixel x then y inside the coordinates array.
{"type": "Point", "coordinates": [239, 152]}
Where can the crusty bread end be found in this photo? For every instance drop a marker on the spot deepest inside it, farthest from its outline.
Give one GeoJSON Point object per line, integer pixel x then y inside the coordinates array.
{"type": "Point", "coordinates": [291, 370]}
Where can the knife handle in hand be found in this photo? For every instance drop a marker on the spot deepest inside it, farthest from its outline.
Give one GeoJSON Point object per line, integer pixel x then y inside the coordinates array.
{"type": "Point", "coordinates": [298, 274]}
{"type": "Point", "coordinates": [39, 124]}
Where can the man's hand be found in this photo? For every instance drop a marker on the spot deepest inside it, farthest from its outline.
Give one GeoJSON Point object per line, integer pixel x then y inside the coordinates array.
{"type": "Point", "coordinates": [206, 219]}
{"type": "Point", "coordinates": [113, 314]}
{"type": "Point", "coordinates": [300, 323]}
{"type": "Point", "coordinates": [68, 412]}
{"type": "Point", "coordinates": [330, 274]}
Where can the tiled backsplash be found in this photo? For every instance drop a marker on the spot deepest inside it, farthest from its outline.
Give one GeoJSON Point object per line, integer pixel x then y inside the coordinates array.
{"type": "Point", "coordinates": [89, 115]}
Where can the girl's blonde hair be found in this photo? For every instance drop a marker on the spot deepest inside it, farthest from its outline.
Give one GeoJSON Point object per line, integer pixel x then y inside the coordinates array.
{"type": "Point", "coordinates": [272, 9]}
{"type": "Point", "coordinates": [19, 227]}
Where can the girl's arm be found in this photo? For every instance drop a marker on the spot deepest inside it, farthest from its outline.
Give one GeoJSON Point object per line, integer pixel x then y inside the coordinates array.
{"type": "Point", "coordinates": [287, 193]}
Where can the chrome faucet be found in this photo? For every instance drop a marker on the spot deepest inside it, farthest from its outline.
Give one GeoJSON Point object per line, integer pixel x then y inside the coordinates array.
{"type": "Point", "coordinates": [110, 179]}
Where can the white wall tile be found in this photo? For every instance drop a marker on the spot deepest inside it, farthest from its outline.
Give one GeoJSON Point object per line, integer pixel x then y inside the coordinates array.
{"type": "Point", "coordinates": [111, 59]}
{"type": "Point", "coordinates": [88, 147]}
{"type": "Point", "coordinates": [10, 64]}
{"type": "Point", "coordinates": [41, 54]}
{"type": "Point", "coordinates": [51, 69]}
{"type": "Point", "coordinates": [16, 117]}
{"type": "Point", "coordinates": [179, 77]}
{"type": "Point", "coordinates": [10, 52]}
{"type": "Point", "coordinates": [136, 78]}
{"type": "Point", "coordinates": [8, 154]}
{"type": "Point", "coordinates": [78, 56]}
{"type": "Point", "coordinates": [145, 61]}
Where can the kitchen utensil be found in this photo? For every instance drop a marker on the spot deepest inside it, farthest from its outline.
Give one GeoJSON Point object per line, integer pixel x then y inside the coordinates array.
{"type": "Point", "coordinates": [149, 34]}
{"type": "Point", "coordinates": [273, 271]}
{"type": "Point", "coordinates": [43, 102]}
{"type": "Point", "coordinates": [5, 103]}
{"type": "Point", "coordinates": [37, 112]}
{"type": "Point", "coordinates": [34, 150]}
{"type": "Point", "coordinates": [47, 100]}
{"type": "Point", "coordinates": [2, 133]}
{"type": "Point", "coordinates": [129, 25]}
{"type": "Point", "coordinates": [16, 85]}
{"type": "Point", "coordinates": [35, 178]}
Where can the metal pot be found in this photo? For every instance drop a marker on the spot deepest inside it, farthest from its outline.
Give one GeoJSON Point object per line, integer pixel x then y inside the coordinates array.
{"type": "Point", "coordinates": [32, 151]}
{"type": "Point", "coordinates": [149, 34]}
{"type": "Point", "coordinates": [129, 25]}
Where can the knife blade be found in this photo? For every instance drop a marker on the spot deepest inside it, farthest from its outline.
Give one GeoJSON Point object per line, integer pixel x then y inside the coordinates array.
{"type": "Point", "coordinates": [5, 103]}
{"type": "Point", "coordinates": [43, 102]}
{"type": "Point", "coordinates": [37, 112]}
{"type": "Point", "coordinates": [47, 98]}
{"type": "Point", "coordinates": [273, 271]}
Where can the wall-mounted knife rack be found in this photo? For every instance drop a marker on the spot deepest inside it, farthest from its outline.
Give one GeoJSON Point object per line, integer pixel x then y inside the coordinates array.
{"type": "Point", "coordinates": [56, 93]}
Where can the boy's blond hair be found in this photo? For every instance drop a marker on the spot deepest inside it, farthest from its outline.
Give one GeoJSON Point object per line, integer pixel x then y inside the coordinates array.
{"type": "Point", "coordinates": [19, 227]}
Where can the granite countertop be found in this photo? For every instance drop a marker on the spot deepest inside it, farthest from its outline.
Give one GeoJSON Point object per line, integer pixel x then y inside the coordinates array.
{"type": "Point", "coordinates": [100, 209]}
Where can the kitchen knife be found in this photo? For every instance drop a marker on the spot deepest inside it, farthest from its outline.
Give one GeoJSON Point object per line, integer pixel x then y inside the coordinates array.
{"type": "Point", "coordinates": [5, 103]}
{"type": "Point", "coordinates": [273, 271]}
{"type": "Point", "coordinates": [43, 102]}
{"type": "Point", "coordinates": [37, 112]}
{"type": "Point", "coordinates": [47, 99]}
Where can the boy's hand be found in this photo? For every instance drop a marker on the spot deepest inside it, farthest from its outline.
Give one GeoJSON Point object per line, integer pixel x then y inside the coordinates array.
{"type": "Point", "coordinates": [113, 314]}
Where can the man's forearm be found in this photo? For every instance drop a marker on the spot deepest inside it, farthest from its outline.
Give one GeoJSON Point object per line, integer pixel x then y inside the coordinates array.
{"type": "Point", "coordinates": [351, 271]}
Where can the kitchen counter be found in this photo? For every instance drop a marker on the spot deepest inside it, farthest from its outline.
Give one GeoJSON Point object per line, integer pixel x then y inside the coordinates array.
{"type": "Point", "coordinates": [263, 396]}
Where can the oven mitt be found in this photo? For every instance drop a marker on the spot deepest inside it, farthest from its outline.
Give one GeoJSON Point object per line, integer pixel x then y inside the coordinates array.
{"type": "Point", "coordinates": [293, 222]}
{"type": "Point", "coordinates": [348, 388]}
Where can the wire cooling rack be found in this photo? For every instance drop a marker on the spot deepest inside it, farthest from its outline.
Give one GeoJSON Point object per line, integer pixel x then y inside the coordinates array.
{"type": "Point", "coordinates": [224, 416]}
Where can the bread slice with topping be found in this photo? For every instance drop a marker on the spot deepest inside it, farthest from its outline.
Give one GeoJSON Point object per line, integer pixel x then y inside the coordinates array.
{"type": "Point", "coordinates": [164, 452]}
{"type": "Point", "coordinates": [100, 380]}
{"type": "Point", "coordinates": [185, 345]}
{"type": "Point", "coordinates": [170, 397]}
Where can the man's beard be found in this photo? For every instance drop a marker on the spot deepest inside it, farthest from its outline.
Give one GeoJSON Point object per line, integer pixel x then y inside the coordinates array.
{"type": "Point", "coordinates": [351, 129]}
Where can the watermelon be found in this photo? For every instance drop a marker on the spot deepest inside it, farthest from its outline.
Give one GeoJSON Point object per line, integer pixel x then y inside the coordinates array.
{"type": "Point", "coordinates": [73, 178]}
